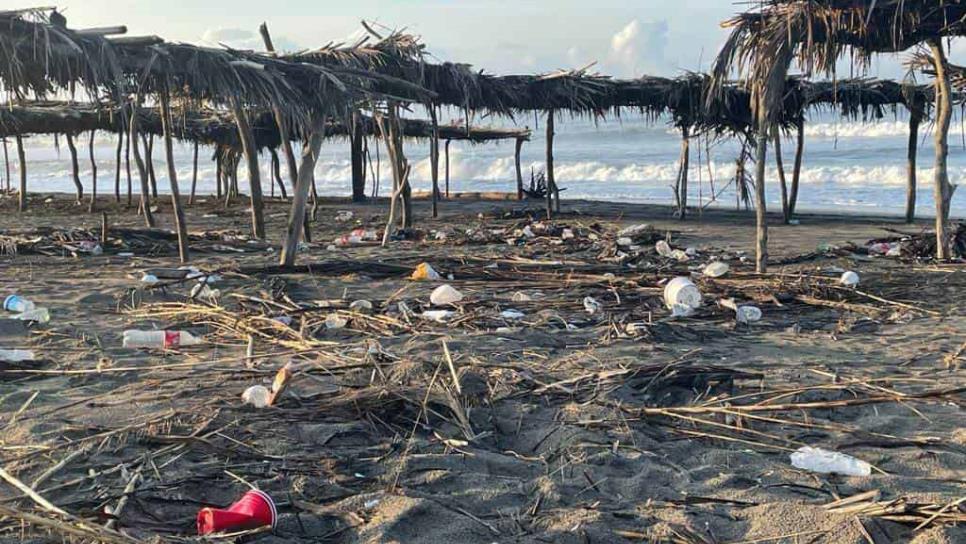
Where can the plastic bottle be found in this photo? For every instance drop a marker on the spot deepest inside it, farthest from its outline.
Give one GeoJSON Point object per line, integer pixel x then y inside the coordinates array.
{"type": "Point", "coordinates": [159, 339]}
{"type": "Point", "coordinates": [40, 315]}
{"type": "Point", "coordinates": [445, 294]}
{"type": "Point", "coordinates": [829, 462]}
{"type": "Point", "coordinates": [16, 355]}
{"type": "Point", "coordinates": [716, 269]}
{"type": "Point", "coordinates": [16, 303]}
{"type": "Point", "coordinates": [682, 291]}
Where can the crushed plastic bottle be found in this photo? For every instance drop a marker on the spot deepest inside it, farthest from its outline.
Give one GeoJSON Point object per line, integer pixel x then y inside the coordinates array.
{"type": "Point", "coordinates": [258, 396]}
{"type": "Point", "coordinates": [591, 305]}
{"type": "Point", "coordinates": [716, 269]}
{"type": "Point", "coordinates": [512, 314]}
{"type": "Point", "coordinates": [829, 462]}
{"type": "Point", "coordinates": [37, 315]}
{"type": "Point", "coordinates": [159, 339]}
{"type": "Point", "coordinates": [682, 291]}
{"type": "Point", "coordinates": [16, 303]}
{"type": "Point", "coordinates": [425, 272]}
{"type": "Point", "coordinates": [361, 306]}
{"type": "Point", "coordinates": [849, 279]}
{"type": "Point", "coordinates": [748, 314]}
{"type": "Point", "coordinates": [445, 294]}
{"type": "Point", "coordinates": [440, 316]}
{"type": "Point", "coordinates": [16, 355]}
{"type": "Point", "coordinates": [663, 248]}
{"type": "Point", "coordinates": [335, 322]}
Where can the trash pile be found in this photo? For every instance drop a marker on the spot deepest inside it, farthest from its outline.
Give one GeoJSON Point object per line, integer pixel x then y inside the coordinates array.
{"type": "Point", "coordinates": [918, 246]}
{"type": "Point", "coordinates": [77, 242]}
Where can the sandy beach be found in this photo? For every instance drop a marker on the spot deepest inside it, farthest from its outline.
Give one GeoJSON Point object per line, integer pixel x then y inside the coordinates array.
{"type": "Point", "coordinates": [560, 425]}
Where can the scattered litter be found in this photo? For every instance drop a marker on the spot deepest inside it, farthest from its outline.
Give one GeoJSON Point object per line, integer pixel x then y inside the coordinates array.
{"type": "Point", "coordinates": [512, 314]}
{"type": "Point", "coordinates": [591, 305]}
{"type": "Point", "coordinates": [159, 339]}
{"type": "Point", "coordinates": [829, 462]}
{"type": "Point", "coordinates": [681, 291]}
{"type": "Point", "coordinates": [344, 215]}
{"type": "Point", "coordinates": [625, 242]}
{"type": "Point", "coordinates": [38, 315]}
{"type": "Point", "coordinates": [849, 279]}
{"type": "Point", "coordinates": [520, 296]}
{"type": "Point", "coordinates": [255, 509]}
{"type": "Point", "coordinates": [635, 231]}
{"type": "Point", "coordinates": [716, 269]}
{"type": "Point", "coordinates": [16, 303]}
{"type": "Point", "coordinates": [567, 234]}
{"type": "Point", "coordinates": [425, 272]}
{"type": "Point", "coordinates": [16, 355]}
{"type": "Point", "coordinates": [445, 294]}
{"type": "Point", "coordinates": [681, 310]}
{"type": "Point", "coordinates": [663, 248]}
{"type": "Point", "coordinates": [201, 290]}
{"type": "Point", "coordinates": [355, 237]}
{"type": "Point", "coordinates": [528, 232]}
{"type": "Point", "coordinates": [149, 279]}
{"type": "Point", "coordinates": [335, 322]}
{"type": "Point", "coordinates": [361, 306]}
{"type": "Point", "coordinates": [258, 396]}
{"type": "Point", "coordinates": [748, 314]}
{"type": "Point", "coordinates": [437, 315]}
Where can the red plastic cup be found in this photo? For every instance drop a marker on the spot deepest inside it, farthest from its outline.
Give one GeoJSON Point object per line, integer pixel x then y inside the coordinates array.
{"type": "Point", "coordinates": [255, 509]}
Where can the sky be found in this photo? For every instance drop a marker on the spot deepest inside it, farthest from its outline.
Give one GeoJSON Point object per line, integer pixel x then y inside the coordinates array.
{"type": "Point", "coordinates": [625, 38]}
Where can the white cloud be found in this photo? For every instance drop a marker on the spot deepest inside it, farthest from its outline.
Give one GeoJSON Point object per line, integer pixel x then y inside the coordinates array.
{"type": "Point", "coordinates": [638, 49]}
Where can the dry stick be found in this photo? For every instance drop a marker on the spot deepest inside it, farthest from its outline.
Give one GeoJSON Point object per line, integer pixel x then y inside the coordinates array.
{"type": "Point", "coordinates": [93, 203]}
{"type": "Point", "coordinates": [452, 368]}
{"type": "Point", "coordinates": [142, 170]}
{"type": "Point", "coordinates": [44, 476]}
{"type": "Point", "coordinates": [149, 160]}
{"type": "Point", "coordinates": [122, 502]}
{"type": "Point", "coordinates": [412, 433]}
{"type": "Point", "coordinates": [516, 164]}
{"type": "Point", "coordinates": [28, 491]}
{"type": "Point", "coordinates": [179, 219]}
{"type": "Point", "coordinates": [22, 197]}
{"type": "Point", "coordinates": [78, 527]}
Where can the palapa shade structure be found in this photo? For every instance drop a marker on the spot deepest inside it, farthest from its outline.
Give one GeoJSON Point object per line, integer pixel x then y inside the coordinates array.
{"type": "Point", "coordinates": [765, 41]}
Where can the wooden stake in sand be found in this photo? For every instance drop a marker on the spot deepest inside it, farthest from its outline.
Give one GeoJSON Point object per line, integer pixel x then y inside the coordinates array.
{"type": "Point", "coordinates": [179, 220]}
{"type": "Point", "coordinates": [296, 217]}
{"type": "Point", "coordinates": [74, 169]}
{"type": "Point", "coordinates": [254, 175]}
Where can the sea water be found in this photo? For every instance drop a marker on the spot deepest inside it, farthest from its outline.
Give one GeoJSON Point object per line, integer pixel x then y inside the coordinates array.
{"type": "Point", "coordinates": [848, 166]}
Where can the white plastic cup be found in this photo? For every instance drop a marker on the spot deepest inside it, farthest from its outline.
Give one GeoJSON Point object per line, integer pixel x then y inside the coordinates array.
{"type": "Point", "coordinates": [16, 303]}
{"type": "Point", "coordinates": [445, 294]}
{"type": "Point", "coordinates": [682, 291]}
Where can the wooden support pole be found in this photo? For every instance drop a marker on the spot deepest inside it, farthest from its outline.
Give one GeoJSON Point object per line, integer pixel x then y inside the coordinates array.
{"type": "Point", "coordinates": [434, 159]}
{"type": "Point", "coordinates": [22, 197]}
{"type": "Point", "coordinates": [356, 138]}
{"type": "Point", "coordinates": [685, 166]}
{"type": "Point", "coordinates": [915, 117]}
{"type": "Point", "coordinates": [254, 174]}
{"type": "Point", "coordinates": [117, 166]}
{"type": "Point", "coordinates": [179, 219]}
{"type": "Point", "coordinates": [90, 147]}
{"type": "Point", "coordinates": [797, 169]}
{"type": "Point", "coordinates": [104, 229]}
{"type": "Point", "coordinates": [517, 166]}
{"type": "Point", "coordinates": [283, 129]}
{"type": "Point", "coordinates": [142, 169]}
{"type": "Point", "coordinates": [218, 172]}
{"type": "Point", "coordinates": [277, 175]}
{"type": "Point", "coordinates": [149, 159]}
{"type": "Point", "coordinates": [194, 175]}
{"type": "Point", "coordinates": [780, 165]}
{"type": "Point", "coordinates": [296, 218]}
{"type": "Point", "coordinates": [6, 163]}
{"type": "Point", "coordinates": [74, 168]}
{"type": "Point", "coordinates": [549, 174]}
{"type": "Point", "coordinates": [127, 159]}
{"type": "Point", "coordinates": [446, 150]}
{"type": "Point", "coordinates": [761, 218]}
{"type": "Point", "coordinates": [943, 191]}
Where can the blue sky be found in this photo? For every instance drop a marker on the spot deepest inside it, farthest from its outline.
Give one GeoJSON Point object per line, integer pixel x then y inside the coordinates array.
{"type": "Point", "coordinates": [626, 38]}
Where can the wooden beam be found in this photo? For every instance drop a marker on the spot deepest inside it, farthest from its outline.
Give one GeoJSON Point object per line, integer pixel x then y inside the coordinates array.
{"type": "Point", "coordinates": [179, 219]}
{"type": "Point", "coordinates": [102, 31]}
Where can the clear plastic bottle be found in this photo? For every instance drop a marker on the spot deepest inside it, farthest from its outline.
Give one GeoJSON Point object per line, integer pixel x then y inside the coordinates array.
{"type": "Point", "coordinates": [40, 315]}
{"type": "Point", "coordinates": [159, 339]}
{"type": "Point", "coordinates": [16, 303]}
{"type": "Point", "coordinates": [16, 355]}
